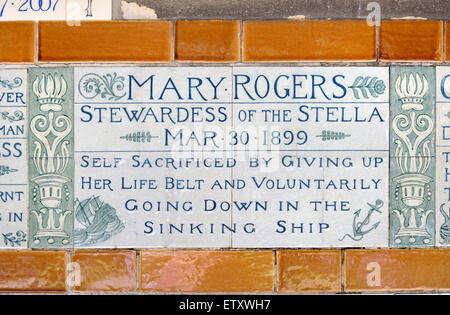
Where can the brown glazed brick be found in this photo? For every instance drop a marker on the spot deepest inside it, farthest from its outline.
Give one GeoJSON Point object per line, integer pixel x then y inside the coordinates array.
{"type": "Point", "coordinates": [397, 270]}
{"type": "Point", "coordinates": [17, 42]}
{"type": "Point", "coordinates": [207, 271]}
{"type": "Point", "coordinates": [107, 271]}
{"type": "Point", "coordinates": [308, 41]}
{"type": "Point", "coordinates": [207, 41]}
{"type": "Point", "coordinates": [411, 41]}
{"type": "Point", "coordinates": [100, 41]}
{"type": "Point", "coordinates": [308, 271]}
{"type": "Point", "coordinates": [33, 270]}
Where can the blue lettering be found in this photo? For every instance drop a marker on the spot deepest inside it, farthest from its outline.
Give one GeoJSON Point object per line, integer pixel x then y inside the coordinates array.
{"type": "Point", "coordinates": [83, 110]}
{"type": "Point", "coordinates": [299, 84]}
{"type": "Point", "coordinates": [443, 86]}
{"type": "Point", "coordinates": [236, 83]}
{"type": "Point", "coordinates": [344, 90]}
{"type": "Point", "coordinates": [131, 78]}
{"type": "Point", "coordinates": [286, 94]}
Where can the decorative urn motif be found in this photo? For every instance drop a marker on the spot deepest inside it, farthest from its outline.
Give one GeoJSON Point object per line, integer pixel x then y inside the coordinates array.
{"type": "Point", "coordinates": [413, 158]}
{"type": "Point", "coordinates": [50, 158]}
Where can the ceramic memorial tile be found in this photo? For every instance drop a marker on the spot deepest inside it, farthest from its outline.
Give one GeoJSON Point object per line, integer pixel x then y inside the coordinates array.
{"type": "Point", "coordinates": [21, 10]}
{"type": "Point", "coordinates": [55, 10]}
{"type": "Point", "coordinates": [412, 170]}
{"type": "Point", "coordinates": [193, 157]}
{"type": "Point", "coordinates": [13, 158]}
{"type": "Point", "coordinates": [50, 150]}
{"type": "Point", "coordinates": [307, 173]}
{"type": "Point", "coordinates": [151, 167]}
{"type": "Point", "coordinates": [442, 156]}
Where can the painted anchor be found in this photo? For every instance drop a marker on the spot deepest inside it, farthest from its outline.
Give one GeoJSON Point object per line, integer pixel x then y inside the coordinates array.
{"type": "Point", "coordinates": [358, 232]}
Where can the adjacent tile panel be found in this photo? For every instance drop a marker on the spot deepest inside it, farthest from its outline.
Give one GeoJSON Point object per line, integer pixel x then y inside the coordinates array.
{"type": "Point", "coordinates": [207, 41]}
{"type": "Point", "coordinates": [50, 152]}
{"type": "Point", "coordinates": [106, 271]}
{"type": "Point", "coordinates": [308, 41]}
{"type": "Point", "coordinates": [33, 271]}
{"type": "Point", "coordinates": [397, 270]}
{"type": "Point", "coordinates": [82, 10]}
{"type": "Point", "coordinates": [412, 150]}
{"type": "Point", "coordinates": [442, 196]}
{"type": "Point", "coordinates": [443, 156]}
{"type": "Point", "coordinates": [13, 158]}
{"type": "Point", "coordinates": [308, 173]}
{"type": "Point", "coordinates": [18, 42]}
{"type": "Point", "coordinates": [133, 41]}
{"type": "Point", "coordinates": [151, 157]}
{"type": "Point", "coordinates": [398, 44]}
{"type": "Point", "coordinates": [73, 11]}
{"type": "Point", "coordinates": [32, 10]}
{"type": "Point", "coordinates": [308, 271]}
{"type": "Point", "coordinates": [207, 271]}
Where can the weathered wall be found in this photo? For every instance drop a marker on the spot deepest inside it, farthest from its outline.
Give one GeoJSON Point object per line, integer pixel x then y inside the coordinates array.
{"type": "Point", "coordinates": [233, 33]}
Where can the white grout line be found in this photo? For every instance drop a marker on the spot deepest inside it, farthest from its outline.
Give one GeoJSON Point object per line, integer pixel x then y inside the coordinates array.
{"type": "Point", "coordinates": [36, 53]}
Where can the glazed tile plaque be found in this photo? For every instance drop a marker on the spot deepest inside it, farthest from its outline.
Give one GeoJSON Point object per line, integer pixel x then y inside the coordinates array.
{"type": "Point", "coordinates": [442, 156]}
{"type": "Point", "coordinates": [13, 158]}
{"type": "Point", "coordinates": [231, 157]}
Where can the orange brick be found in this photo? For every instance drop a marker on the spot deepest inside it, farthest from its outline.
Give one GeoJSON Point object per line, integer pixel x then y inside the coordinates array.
{"type": "Point", "coordinates": [108, 271]}
{"type": "Point", "coordinates": [447, 41]}
{"type": "Point", "coordinates": [411, 41]}
{"type": "Point", "coordinates": [397, 270]}
{"type": "Point", "coordinates": [308, 41]}
{"type": "Point", "coordinates": [208, 41]}
{"type": "Point", "coordinates": [207, 271]}
{"type": "Point", "coordinates": [32, 271]}
{"type": "Point", "coordinates": [17, 42]}
{"type": "Point", "coordinates": [309, 271]}
{"type": "Point", "coordinates": [134, 41]}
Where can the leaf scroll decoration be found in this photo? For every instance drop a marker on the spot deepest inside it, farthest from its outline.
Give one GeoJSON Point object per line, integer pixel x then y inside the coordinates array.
{"type": "Point", "coordinates": [327, 135]}
{"type": "Point", "coordinates": [139, 136]}
{"type": "Point", "coordinates": [107, 86]}
{"type": "Point", "coordinates": [17, 116]}
{"type": "Point", "coordinates": [12, 240]}
{"type": "Point", "coordinates": [16, 82]}
{"type": "Point", "coordinates": [5, 170]}
{"type": "Point", "coordinates": [367, 86]}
